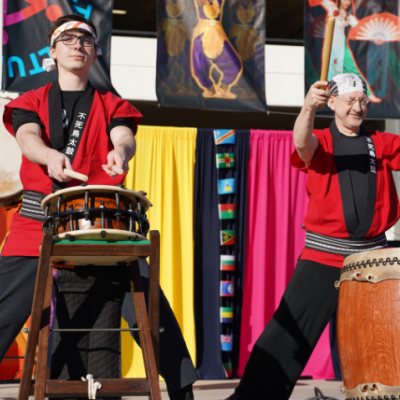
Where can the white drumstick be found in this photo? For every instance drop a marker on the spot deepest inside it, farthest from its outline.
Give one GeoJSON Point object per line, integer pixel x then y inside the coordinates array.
{"type": "Point", "coordinates": [75, 175]}
{"type": "Point", "coordinates": [117, 170]}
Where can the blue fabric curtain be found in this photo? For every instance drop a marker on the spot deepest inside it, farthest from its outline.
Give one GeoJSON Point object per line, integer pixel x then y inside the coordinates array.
{"type": "Point", "coordinates": [207, 251]}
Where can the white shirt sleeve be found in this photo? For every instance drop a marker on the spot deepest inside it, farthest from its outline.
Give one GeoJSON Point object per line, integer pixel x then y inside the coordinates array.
{"type": "Point", "coordinates": [329, 6]}
{"type": "Point", "coordinates": [352, 20]}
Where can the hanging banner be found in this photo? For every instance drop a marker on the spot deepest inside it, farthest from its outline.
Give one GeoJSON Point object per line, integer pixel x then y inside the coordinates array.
{"type": "Point", "coordinates": [366, 42]}
{"type": "Point", "coordinates": [210, 54]}
{"type": "Point", "coordinates": [25, 43]}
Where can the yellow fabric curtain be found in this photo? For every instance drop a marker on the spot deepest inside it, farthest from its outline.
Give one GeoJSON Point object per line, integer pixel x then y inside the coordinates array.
{"type": "Point", "coordinates": [163, 167]}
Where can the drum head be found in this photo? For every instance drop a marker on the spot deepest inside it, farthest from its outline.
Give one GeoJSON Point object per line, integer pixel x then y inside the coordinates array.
{"type": "Point", "coordinates": [371, 266]}
{"type": "Point", "coordinates": [94, 190]}
{"type": "Point", "coordinates": [10, 164]}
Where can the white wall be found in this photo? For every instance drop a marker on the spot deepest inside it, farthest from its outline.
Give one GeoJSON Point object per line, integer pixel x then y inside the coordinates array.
{"type": "Point", "coordinates": [133, 71]}
{"type": "Point", "coordinates": [133, 67]}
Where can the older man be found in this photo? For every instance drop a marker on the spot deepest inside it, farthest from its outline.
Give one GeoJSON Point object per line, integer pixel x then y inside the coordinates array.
{"type": "Point", "coordinates": [352, 202]}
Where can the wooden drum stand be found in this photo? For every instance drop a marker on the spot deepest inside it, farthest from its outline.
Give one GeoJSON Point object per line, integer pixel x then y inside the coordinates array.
{"type": "Point", "coordinates": [148, 325]}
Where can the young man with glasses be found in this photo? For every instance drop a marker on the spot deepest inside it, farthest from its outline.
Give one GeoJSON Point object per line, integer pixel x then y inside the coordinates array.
{"type": "Point", "coordinates": [352, 203]}
{"type": "Point", "coordinates": [69, 124]}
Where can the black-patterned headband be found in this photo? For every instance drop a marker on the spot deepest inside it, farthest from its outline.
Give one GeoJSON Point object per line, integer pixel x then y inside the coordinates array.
{"type": "Point", "coordinates": [346, 83]}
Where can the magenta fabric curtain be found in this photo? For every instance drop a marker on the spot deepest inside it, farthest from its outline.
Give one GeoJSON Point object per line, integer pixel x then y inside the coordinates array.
{"type": "Point", "coordinates": [276, 206]}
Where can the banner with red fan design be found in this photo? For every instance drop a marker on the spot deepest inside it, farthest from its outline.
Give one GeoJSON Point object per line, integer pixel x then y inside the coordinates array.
{"type": "Point", "coordinates": [366, 42]}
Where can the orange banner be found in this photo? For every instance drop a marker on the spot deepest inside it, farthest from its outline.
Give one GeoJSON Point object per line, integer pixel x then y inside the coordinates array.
{"type": "Point", "coordinates": [11, 368]}
{"type": "Point", "coordinates": [6, 214]}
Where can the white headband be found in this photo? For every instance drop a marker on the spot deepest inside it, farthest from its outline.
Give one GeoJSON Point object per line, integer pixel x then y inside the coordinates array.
{"type": "Point", "coordinates": [346, 83]}
{"type": "Point", "coordinates": [48, 63]}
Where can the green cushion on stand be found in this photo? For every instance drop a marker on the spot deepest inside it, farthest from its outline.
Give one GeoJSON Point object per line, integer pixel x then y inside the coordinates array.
{"type": "Point", "coordinates": [125, 242]}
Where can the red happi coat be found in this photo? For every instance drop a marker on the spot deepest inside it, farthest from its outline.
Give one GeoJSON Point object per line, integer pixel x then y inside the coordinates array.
{"type": "Point", "coordinates": [325, 213]}
{"type": "Point", "coordinates": [25, 234]}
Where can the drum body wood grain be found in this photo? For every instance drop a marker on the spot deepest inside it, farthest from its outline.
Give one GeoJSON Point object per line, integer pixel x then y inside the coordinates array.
{"type": "Point", "coordinates": [369, 325]}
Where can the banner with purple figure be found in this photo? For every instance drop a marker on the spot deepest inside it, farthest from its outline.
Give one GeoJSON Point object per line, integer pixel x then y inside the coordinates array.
{"type": "Point", "coordinates": [25, 43]}
{"type": "Point", "coordinates": [366, 42]}
{"type": "Point", "coordinates": [210, 54]}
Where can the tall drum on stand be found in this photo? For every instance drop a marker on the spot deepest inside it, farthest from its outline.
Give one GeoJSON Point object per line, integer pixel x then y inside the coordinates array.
{"type": "Point", "coordinates": [369, 325]}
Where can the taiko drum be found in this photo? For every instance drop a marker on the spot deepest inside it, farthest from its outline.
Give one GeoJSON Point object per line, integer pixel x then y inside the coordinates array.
{"type": "Point", "coordinates": [97, 212]}
{"type": "Point", "coordinates": [369, 325]}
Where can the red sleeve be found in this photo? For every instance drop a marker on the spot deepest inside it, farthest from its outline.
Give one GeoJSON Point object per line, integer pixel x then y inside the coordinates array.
{"type": "Point", "coordinates": [27, 101]}
{"type": "Point", "coordinates": [117, 108]}
{"type": "Point", "coordinates": [298, 163]}
{"type": "Point", "coordinates": [390, 149]}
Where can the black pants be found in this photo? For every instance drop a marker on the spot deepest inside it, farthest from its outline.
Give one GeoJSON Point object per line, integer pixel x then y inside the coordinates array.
{"type": "Point", "coordinates": [17, 283]}
{"type": "Point", "coordinates": [283, 349]}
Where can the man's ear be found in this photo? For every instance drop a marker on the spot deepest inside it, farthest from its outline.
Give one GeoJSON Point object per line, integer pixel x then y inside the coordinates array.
{"type": "Point", "coordinates": [331, 103]}
{"type": "Point", "coordinates": [53, 53]}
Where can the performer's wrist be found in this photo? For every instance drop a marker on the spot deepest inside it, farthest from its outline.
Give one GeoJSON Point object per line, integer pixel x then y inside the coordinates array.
{"type": "Point", "coordinates": [47, 155]}
{"type": "Point", "coordinates": [309, 110]}
{"type": "Point", "coordinates": [51, 156]}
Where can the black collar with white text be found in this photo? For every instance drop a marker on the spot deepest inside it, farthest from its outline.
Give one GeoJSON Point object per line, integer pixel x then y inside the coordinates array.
{"type": "Point", "coordinates": [356, 229]}
{"type": "Point", "coordinates": [77, 125]}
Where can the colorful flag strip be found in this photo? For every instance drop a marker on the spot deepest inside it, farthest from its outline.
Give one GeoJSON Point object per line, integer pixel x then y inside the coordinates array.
{"type": "Point", "coordinates": [227, 263]}
{"type": "Point", "coordinates": [226, 314]}
{"type": "Point", "coordinates": [228, 369]}
{"type": "Point", "coordinates": [225, 160]}
{"type": "Point", "coordinates": [227, 211]}
{"type": "Point", "coordinates": [227, 288]}
{"type": "Point", "coordinates": [227, 237]}
{"type": "Point", "coordinates": [226, 186]}
{"type": "Point", "coordinates": [226, 342]}
{"type": "Point", "coordinates": [225, 136]}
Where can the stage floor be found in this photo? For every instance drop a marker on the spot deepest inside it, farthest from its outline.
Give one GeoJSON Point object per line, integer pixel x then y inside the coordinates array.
{"type": "Point", "coordinates": [219, 390]}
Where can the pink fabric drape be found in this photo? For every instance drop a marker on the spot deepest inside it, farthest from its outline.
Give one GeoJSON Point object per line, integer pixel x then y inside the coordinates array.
{"type": "Point", "coordinates": [277, 204]}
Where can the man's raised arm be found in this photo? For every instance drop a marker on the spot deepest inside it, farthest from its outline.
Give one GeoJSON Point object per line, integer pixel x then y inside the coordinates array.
{"type": "Point", "coordinates": [305, 141]}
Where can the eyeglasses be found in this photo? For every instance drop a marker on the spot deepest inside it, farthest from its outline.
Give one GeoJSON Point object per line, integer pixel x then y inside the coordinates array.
{"type": "Point", "coordinates": [350, 102]}
{"type": "Point", "coordinates": [70, 39]}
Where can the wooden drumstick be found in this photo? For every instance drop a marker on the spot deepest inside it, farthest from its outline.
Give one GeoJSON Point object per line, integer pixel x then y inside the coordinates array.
{"type": "Point", "coordinates": [117, 170]}
{"type": "Point", "coordinates": [75, 175]}
{"type": "Point", "coordinates": [326, 58]}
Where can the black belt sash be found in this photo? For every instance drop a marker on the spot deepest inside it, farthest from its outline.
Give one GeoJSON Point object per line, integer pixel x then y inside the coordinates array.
{"type": "Point", "coordinates": [76, 127]}
{"type": "Point", "coordinates": [343, 247]}
{"type": "Point", "coordinates": [30, 207]}
{"type": "Point", "coordinates": [356, 229]}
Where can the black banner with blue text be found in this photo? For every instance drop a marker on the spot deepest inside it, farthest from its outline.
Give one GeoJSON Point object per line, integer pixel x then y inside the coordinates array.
{"type": "Point", "coordinates": [25, 43]}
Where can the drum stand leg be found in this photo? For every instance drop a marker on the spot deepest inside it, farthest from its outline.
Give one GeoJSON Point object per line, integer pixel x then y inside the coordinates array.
{"type": "Point", "coordinates": [154, 294]}
{"type": "Point", "coordinates": [42, 280]}
{"type": "Point", "coordinates": [144, 333]}
{"type": "Point", "coordinates": [42, 369]}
